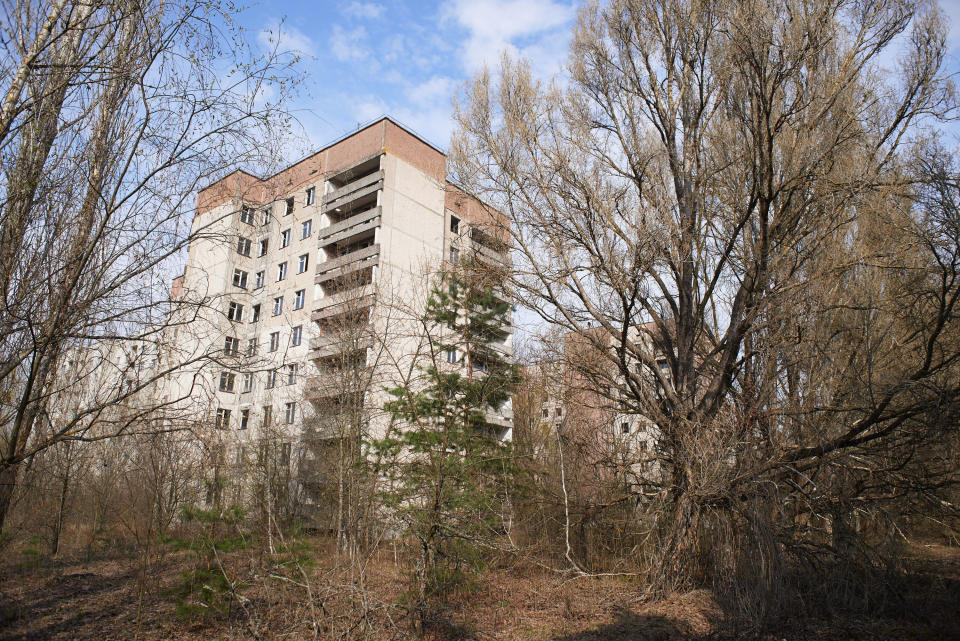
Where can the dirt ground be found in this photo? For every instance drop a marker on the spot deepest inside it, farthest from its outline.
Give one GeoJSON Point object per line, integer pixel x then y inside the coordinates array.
{"type": "Point", "coordinates": [99, 599]}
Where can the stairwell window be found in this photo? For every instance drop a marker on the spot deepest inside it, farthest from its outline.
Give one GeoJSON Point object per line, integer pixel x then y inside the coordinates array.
{"type": "Point", "coordinates": [454, 225]}
{"type": "Point", "coordinates": [243, 246]}
{"type": "Point", "coordinates": [454, 255]}
{"type": "Point", "coordinates": [271, 378]}
{"type": "Point", "coordinates": [274, 341]}
{"type": "Point", "coordinates": [278, 305]}
{"type": "Point", "coordinates": [624, 428]}
{"type": "Point", "coordinates": [258, 279]}
{"type": "Point", "coordinates": [282, 270]}
{"type": "Point", "coordinates": [307, 229]}
{"type": "Point", "coordinates": [292, 370]}
{"type": "Point", "coordinates": [298, 298]}
{"type": "Point", "coordinates": [226, 381]}
{"type": "Point", "coordinates": [235, 312]}
{"type": "Point", "coordinates": [451, 356]}
{"type": "Point", "coordinates": [284, 238]}
{"type": "Point", "coordinates": [267, 414]}
{"type": "Point", "coordinates": [252, 347]}
{"type": "Point", "coordinates": [264, 247]}
{"type": "Point", "coordinates": [247, 383]}
{"type": "Point", "coordinates": [244, 419]}
{"type": "Point", "coordinates": [266, 216]}
{"type": "Point", "coordinates": [222, 420]}
{"type": "Point", "coordinates": [311, 195]}
{"type": "Point", "coordinates": [288, 206]}
{"type": "Point", "coordinates": [240, 278]}
{"type": "Point", "coordinates": [290, 413]}
{"type": "Point", "coordinates": [303, 263]}
{"type": "Point", "coordinates": [255, 315]}
{"type": "Point", "coordinates": [296, 336]}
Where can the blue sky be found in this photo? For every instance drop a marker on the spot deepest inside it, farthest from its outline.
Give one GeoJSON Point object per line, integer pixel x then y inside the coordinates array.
{"type": "Point", "coordinates": [366, 59]}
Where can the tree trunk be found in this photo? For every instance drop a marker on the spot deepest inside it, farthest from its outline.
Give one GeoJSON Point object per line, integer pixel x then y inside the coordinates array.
{"type": "Point", "coordinates": [8, 483]}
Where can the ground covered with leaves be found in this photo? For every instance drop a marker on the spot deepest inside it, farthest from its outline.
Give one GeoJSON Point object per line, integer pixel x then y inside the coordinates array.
{"type": "Point", "coordinates": [110, 597]}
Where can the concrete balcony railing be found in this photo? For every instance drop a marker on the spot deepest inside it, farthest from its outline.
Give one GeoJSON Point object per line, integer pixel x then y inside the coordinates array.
{"type": "Point", "coordinates": [339, 384]}
{"type": "Point", "coordinates": [352, 226]}
{"type": "Point", "coordinates": [336, 343]}
{"type": "Point", "coordinates": [490, 256]}
{"type": "Point", "coordinates": [348, 263]}
{"type": "Point", "coordinates": [351, 191]}
{"type": "Point", "coordinates": [348, 301]}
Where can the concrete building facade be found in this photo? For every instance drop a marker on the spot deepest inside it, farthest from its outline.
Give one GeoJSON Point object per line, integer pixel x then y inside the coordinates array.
{"type": "Point", "coordinates": [304, 287]}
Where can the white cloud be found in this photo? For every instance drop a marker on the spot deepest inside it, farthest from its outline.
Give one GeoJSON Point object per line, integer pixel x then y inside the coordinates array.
{"type": "Point", "coordinates": [436, 89]}
{"type": "Point", "coordinates": [369, 10]}
{"type": "Point", "coordinates": [348, 44]}
{"type": "Point", "coordinates": [495, 25]}
{"type": "Point", "coordinates": [286, 38]}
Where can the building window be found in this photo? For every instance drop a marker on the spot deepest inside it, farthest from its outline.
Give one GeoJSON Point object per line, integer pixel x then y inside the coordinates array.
{"type": "Point", "coordinates": [284, 238]}
{"type": "Point", "coordinates": [264, 246]}
{"type": "Point", "coordinates": [231, 345]}
{"type": "Point", "coordinates": [546, 413]}
{"type": "Point", "coordinates": [255, 315]}
{"type": "Point", "coordinates": [296, 336]}
{"type": "Point", "coordinates": [248, 382]}
{"type": "Point", "coordinates": [298, 298]}
{"type": "Point", "coordinates": [624, 428]}
{"type": "Point", "coordinates": [558, 412]}
{"type": "Point", "coordinates": [252, 347]}
{"type": "Point", "coordinates": [302, 263]}
{"type": "Point", "coordinates": [290, 413]}
{"type": "Point", "coordinates": [451, 356]}
{"type": "Point", "coordinates": [244, 419]}
{"type": "Point", "coordinates": [454, 225]}
{"type": "Point", "coordinates": [307, 229]}
{"type": "Point", "coordinates": [454, 255]}
{"type": "Point", "coordinates": [223, 418]}
{"type": "Point", "coordinates": [240, 278]}
{"type": "Point", "coordinates": [292, 370]}
{"type": "Point", "coordinates": [311, 195]}
{"type": "Point", "coordinates": [278, 305]}
{"type": "Point", "coordinates": [274, 341]}
{"type": "Point", "coordinates": [282, 270]}
{"type": "Point", "coordinates": [285, 455]}
{"type": "Point", "coordinates": [267, 414]}
{"type": "Point", "coordinates": [258, 279]}
{"type": "Point", "coordinates": [226, 381]}
{"type": "Point", "coordinates": [246, 215]}
{"type": "Point", "coordinates": [289, 206]}
{"type": "Point", "coordinates": [271, 378]}
{"type": "Point", "coordinates": [267, 217]}
{"type": "Point", "coordinates": [243, 246]}
{"type": "Point", "coordinates": [235, 312]}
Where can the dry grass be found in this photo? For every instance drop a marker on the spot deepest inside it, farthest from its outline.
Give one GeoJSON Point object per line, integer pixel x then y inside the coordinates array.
{"type": "Point", "coordinates": [98, 600]}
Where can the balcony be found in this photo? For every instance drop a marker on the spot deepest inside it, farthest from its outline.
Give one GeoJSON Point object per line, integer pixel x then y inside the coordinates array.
{"type": "Point", "coordinates": [340, 385]}
{"type": "Point", "coordinates": [354, 190]}
{"type": "Point", "coordinates": [490, 256]}
{"type": "Point", "coordinates": [336, 343]}
{"type": "Point", "coordinates": [351, 301]}
{"type": "Point", "coordinates": [348, 263]}
{"type": "Point", "coordinates": [352, 226]}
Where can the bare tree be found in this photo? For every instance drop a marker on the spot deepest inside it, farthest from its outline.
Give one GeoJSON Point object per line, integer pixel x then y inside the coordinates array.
{"type": "Point", "coordinates": [112, 115]}
{"type": "Point", "coordinates": [721, 201]}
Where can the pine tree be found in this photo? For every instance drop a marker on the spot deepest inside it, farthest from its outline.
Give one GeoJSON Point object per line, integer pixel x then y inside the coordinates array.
{"type": "Point", "coordinates": [449, 475]}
